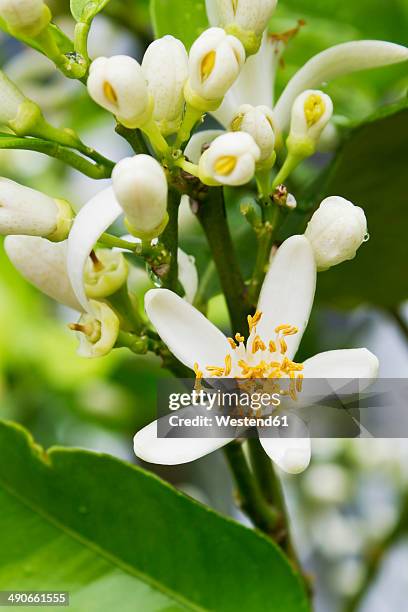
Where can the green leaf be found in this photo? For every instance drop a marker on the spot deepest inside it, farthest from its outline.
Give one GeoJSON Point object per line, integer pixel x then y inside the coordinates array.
{"type": "Point", "coordinates": [371, 171]}
{"type": "Point", "coordinates": [93, 7]}
{"type": "Point", "coordinates": [117, 537]}
{"type": "Point", "coordinates": [184, 19]}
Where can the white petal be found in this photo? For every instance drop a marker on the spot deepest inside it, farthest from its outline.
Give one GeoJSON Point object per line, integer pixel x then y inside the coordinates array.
{"type": "Point", "coordinates": [194, 148]}
{"type": "Point", "coordinates": [90, 223]}
{"type": "Point", "coordinates": [256, 81]}
{"type": "Point", "coordinates": [212, 12]}
{"type": "Point", "coordinates": [188, 334]}
{"type": "Point", "coordinates": [288, 291]}
{"type": "Point", "coordinates": [291, 454]}
{"type": "Point", "coordinates": [344, 364]}
{"type": "Point", "coordinates": [334, 62]}
{"type": "Point", "coordinates": [174, 451]}
{"type": "Point", "coordinates": [187, 274]}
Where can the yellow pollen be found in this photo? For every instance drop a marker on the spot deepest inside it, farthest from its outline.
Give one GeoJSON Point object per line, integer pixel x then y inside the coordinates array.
{"type": "Point", "coordinates": [282, 327]}
{"type": "Point", "coordinates": [225, 164]}
{"type": "Point", "coordinates": [237, 122]}
{"type": "Point", "coordinates": [258, 345]}
{"type": "Point", "coordinates": [272, 346]}
{"type": "Point", "coordinates": [207, 65]}
{"type": "Point", "coordinates": [283, 346]}
{"type": "Point", "coordinates": [253, 321]}
{"type": "Point", "coordinates": [239, 338]}
{"type": "Point", "coordinates": [299, 383]}
{"type": "Point", "coordinates": [197, 371]}
{"type": "Point", "coordinates": [232, 343]}
{"type": "Point", "coordinates": [215, 370]}
{"type": "Point", "coordinates": [314, 109]}
{"type": "Point", "coordinates": [110, 93]}
{"type": "Point", "coordinates": [228, 365]}
{"type": "Point", "coordinates": [290, 332]}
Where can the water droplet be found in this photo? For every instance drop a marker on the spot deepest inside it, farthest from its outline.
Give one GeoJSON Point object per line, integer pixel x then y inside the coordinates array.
{"type": "Point", "coordinates": [366, 238]}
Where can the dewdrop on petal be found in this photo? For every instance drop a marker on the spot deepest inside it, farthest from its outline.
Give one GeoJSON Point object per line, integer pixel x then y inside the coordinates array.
{"type": "Point", "coordinates": [215, 62]}
{"type": "Point", "coordinates": [97, 330]}
{"type": "Point", "coordinates": [26, 211]}
{"type": "Point", "coordinates": [165, 66]}
{"type": "Point", "coordinates": [336, 231]}
{"type": "Point", "coordinates": [258, 122]}
{"type": "Point", "coordinates": [311, 112]}
{"type": "Point", "coordinates": [230, 160]}
{"type": "Point", "coordinates": [246, 19]}
{"type": "Point", "coordinates": [140, 186]}
{"type": "Point", "coordinates": [118, 84]}
{"type": "Point", "coordinates": [105, 273]}
{"type": "Point", "coordinates": [25, 17]}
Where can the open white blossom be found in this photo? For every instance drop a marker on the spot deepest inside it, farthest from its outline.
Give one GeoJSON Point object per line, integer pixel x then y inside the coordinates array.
{"type": "Point", "coordinates": [336, 231]}
{"type": "Point", "coordinates": [27, 17]}
{"type": "Point", "coordinates": [97, 332]}
{"type": "Point", "coordinates": [26, 211]}
{"type": "Point", "coordinates": [140, 185]}
{"type": "Point", "coordinates": [165, 66]}
{"type": "Point", "coordinates": [215, 61]}
{"type": "Point", "coordinates": [230, 160]}
{"type": "Point", "coordinates": [118, 84]}
{"type": "Point", "coordinates": [275, 332]}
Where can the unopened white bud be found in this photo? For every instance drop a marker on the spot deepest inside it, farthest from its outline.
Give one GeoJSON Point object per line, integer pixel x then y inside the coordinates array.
{"type": "Point", "coordinates": [27, 17]}
{"type": "Point", "coordinates": [165, 66]}
{"type": "Point", "coordinates": [140, 187]}
{"type": "Point", "coordinates": [43, 264]}
{"type": "Point", "coordinates": [27, 211]}
{"type": "Point", "coordinates": [311, 112]}
{"type": "Point", "coordinates": [336, 230]}
{"type": "Point", "coordinates": [105, 273]}
{"type": "Point", "coordinates": [230, 160]}
{"type": "Point", "coordinates": [246, 19]}
{"type": "Point", "coordinates": [11, 99]}
{"type": "Point", "coordinates": [97, 332]}
{"type": "Point", "coordinates": [258, 122]}
{"type": "Point", "coordinates": [215, 61]}
{"type": "Point", "coordinates": [118, 84]}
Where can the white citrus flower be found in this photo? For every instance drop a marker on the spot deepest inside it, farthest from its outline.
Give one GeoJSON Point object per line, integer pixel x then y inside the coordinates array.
{"type": "Point", "coordinates": [246, 19]}
{"type": "Point", "coordinates": [44, 265]}
{"type": "Point", "coordinates": [311, 113]}
{"type": "Point", "coordinates": [230, 160]}
{"type": "Point", "coordinates": [165, 66]}
{"type": "Point", "coordinates": [140, 186]}
{"type": "Point", "coordinates": [336, 231]}
{"type": "Point", "coordinates": [27, 17]}
{"type": "Point", "coordinates": [97, 331]}
{"type": "Point", "coordinates": [105, 273]}
{"type": "Point", "coordinates": [258, 122]}
{"type": "Point", "coordinates": [10, 99]}
{"type": "Point", "coordinates": [215, 61]}
{"type": "Point", "coordinates": [118, 84]}
{"type": "Point", "coordinates": [275, 332]}
{"type": "Point", "coordinates": [27, 211]}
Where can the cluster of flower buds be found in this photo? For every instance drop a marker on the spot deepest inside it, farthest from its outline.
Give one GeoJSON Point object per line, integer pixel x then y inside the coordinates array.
{"type": "Point", "coordinates": [140, 187]}
{"type": "Point", "coordinates": [25, 17]}
{"type": "Point", "coordinates": [230, 160]}
{"type": "Point", "coordinates": [245, 19]}
{"type": "Point", "coordinates": [336, 231]}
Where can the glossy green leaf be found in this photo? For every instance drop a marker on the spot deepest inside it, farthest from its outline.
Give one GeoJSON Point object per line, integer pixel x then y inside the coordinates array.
{"type": "Point", "coordinates": [371, 171]}
{"type": "Point", "coordinates": [184, 19]}
{"type": "Point", "coordinates": [93, 7]}
{"type": "Point", "coordinates": [117, 537]}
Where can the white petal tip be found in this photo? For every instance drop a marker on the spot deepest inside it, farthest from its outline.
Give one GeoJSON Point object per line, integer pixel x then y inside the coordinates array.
{"type": "Point", "coordinates": [295, 461]}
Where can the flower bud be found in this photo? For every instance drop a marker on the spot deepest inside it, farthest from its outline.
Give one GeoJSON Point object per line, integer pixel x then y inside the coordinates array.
{"type": "Point", "coordinates": [43, 264]}
{"type": "Point", "coordinates": [246, 19]}
{"type": "Point", "coordinates": [215, 61]}
{"type": "Point", "coordinates": [26, 17]}
{"type": "Point", "coordinates": [258, 122]}
{"type": "Point", "coordinates": [11, 99]}
{"type": "Point", "coordinates": [105, 272]}
{"type": "Point", "coordinates": [27, 211]}
{"type": "Point", "coordinates": [140, 187]}
{"type": "Point", "coordinates": [117, 84]}
{"type": "Point", "coordinates": [311, 112]}
{"type": "Point", "coordinates": [165, 67]}
{"type": "Point", "coordinates": [230, 160]}
{"type": "Point", "coordinates": [97, 331]}
{"type": "Point", "coordinates": [335, 232]}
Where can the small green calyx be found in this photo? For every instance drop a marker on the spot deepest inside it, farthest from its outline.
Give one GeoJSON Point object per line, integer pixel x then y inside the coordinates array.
{"type": "Point", "coordinates": [301, 148]}
{"type": "Point", "coordinates": [105, 273]}
{"type": "Point", "coordinates": [198, 102]}
{"type": "Point", "coordinates": [29, 117]}
{"type": "Point", "coordinates": [250, 40]}
{"type": "Point", "coordinates": [146, 236]}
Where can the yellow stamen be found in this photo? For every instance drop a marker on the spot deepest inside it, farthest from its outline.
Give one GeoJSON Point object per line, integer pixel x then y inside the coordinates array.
{"type": "Point", "coordinates": [283, 346]}
{"type": "Point", "coordinates": [236, 123]}
{"type": "Point", "coordinates": [197, 371]}
{"type": "Point", "coordinates": [207, 65]}
{"type": "Point", "coordinates": [234, 6]}
{"type": "Point", "coordinates": [225, 164]}
{"type": "Point", "coordinates": [282, 327]}
{"type": "Point", "coordinates": [290, 332]}
{"type": "Point", "coordinates": [215, 370]}
{"type": "Point", "coordinates": [299, 383]}
{"type": "Point", "coordinates": [239, 338]}
{"type": "Point", "coordinates": [314, 109]}
{"type": "Point", "coordinates": [110, 93]}
{"type": "Point", "coordinates": [272, 346]}
{"type": "Point", "coordinates": [228, 365]}
{"type": "Point", "coordinates": [258, 345]}
{"type": "Point", "coordinates": [232, 343]}
{"type": "Point", "coordinates": [253, 321]}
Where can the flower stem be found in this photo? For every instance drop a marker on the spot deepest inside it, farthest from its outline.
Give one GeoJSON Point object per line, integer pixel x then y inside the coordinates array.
{"type": "Point", "coordinates": [290, 163]}
{"type": "Point", "coordinates": [396, 315]}
{"type": "Point", "coordinates": [169, 239]}
{"type": "Point", "coordinates": [251, 500]}
{"type": "Point", "coordinates": [265, 234]}
{"type": "Point", "coordinates": [191, 117]}
{"type": "Point", "coordinates": [134, 138]}
{"type": "Point", "coordinates": [212, 216]}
